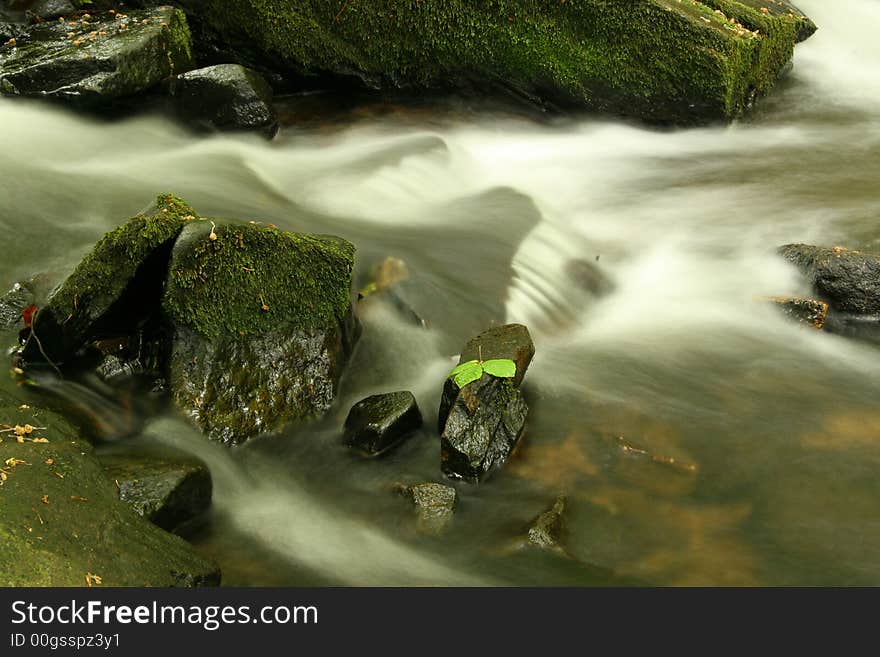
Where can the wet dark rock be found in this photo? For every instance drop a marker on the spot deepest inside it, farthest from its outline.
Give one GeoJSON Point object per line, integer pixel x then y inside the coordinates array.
{"type": "Point", "coordinates": [13, 303]}
{"type": "Point", "coordinates": [547, 529]}
{"type": "Point", "coordinates": [804, 311]}
{"type": "Point", "coordinates": [484, 425]}
{"type": "Point", "coordinates": [108, 57]}
{"type": "Point", "coordinates": [10, 30]}
{"type": "Point", "coordinates": [381, 422]}
{"type": "Point", "coordinates": [262, 325]}
{"type": "Point", "coordinates": [167, 491]}
{"type": "Point", "coordinates": [848, 280]}
{"type": "Point", "coordinates": [589, 277]}
{"type": "Point", "coordinates": [51, 9]}
{"type": "Point", "coordinates": [225, 97]}
{"type": "Point", "coordinates": [435, 506]}
{"type": "Point", "coordinates": [115, 288]}
{"type": "Point", "coordinates": [511, 341]}
{"type": "Point", "coordinates": [62, 517]}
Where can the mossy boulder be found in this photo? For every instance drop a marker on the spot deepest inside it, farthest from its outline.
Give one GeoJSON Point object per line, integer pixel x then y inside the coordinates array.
{"type": "Point", "coordinates": [61, 520]}
{"type": "Point", "coordinates": [114, 288]}
{"type": "Point", "coordinates": [166, 489]}
{"type": "Point", "coordinates": [263, 325]}
{"type": "Point", "coordinates": [660, 60]}
{"type": "Point", "coordinates": [94, 59]}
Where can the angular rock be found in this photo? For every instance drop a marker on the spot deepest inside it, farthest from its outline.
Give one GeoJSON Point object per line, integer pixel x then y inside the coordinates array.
{"type": "Point", "coordinates": [811, 312]}
{"type": "Point", "coordinates": [167, 491]}
{"type": "Point", "coordinates": [435, 505]}
{"type": "Point", "coordinates": [708, 59]}
{"type": "Point", "coordinates": [61, 519]}
{"type": "Point", "coordinates": [484, 424]}
{"type": "Point", "coordinates": [115, 288]}
{"type": "Point", "coordinates": [226, 97]}
{"type": "Point", "coordinates": [381, 422]}
{"type": "Point", "coordinates": [263, 325]}
{"type": "Point", "coordinates": [94, 61]}
{"type": "Point", "coordinates": [511, 341]}
{"type": "Point", "coordinates": [546, 530]}
{"type": "Point", "coordinates": [848, 280]}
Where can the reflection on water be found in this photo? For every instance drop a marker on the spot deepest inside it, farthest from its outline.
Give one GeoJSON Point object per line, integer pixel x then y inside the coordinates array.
{"type": "Point", "coordinates": [698, 436]}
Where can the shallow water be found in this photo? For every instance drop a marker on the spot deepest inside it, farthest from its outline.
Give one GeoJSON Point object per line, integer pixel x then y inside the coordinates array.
{"type": "Point", "coordinates": [700, 437]}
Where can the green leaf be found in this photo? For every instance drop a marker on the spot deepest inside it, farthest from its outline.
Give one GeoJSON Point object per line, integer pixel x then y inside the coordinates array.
{"type": "Point", "coordinates": [466, 373]}
{"type": "Point", "coordinates": [503, 368]}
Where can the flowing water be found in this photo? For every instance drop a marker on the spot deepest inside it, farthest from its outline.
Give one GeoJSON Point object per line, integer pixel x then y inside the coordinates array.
{"type": "Point", "coordinates": [699, 436]}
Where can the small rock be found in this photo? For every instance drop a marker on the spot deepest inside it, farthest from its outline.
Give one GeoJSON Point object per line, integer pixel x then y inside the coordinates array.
{"type": "Point", "coordinates": [484, 425]}
{"type": "Point", "coordinates": [165, 491]}
{"type": "Point", "coordinates": [380, 422]}
{"type": "Point", "coordinates": [804, 311]}
{"type": "Point", "coordinates": [511, 341]}
{"type": "Point", "coordinates": [588, 276]}
{"type": "Point", "coordinates": [435, 505]}
{"type": "Point", "coordinates": [546, 530]}
{"type": "Point", "coordinates": [226, 97]}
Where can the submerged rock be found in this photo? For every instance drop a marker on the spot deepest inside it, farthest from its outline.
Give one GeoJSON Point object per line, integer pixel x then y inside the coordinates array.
{"type": "Point", "coordinates": [511, 341]}
{"type": "Point", "coordinates": [167, 491]}
{"type": "Point", "coordinates": [62, 521]}
{"type": "Point", "coordinates": [546, 530]}
{"type": "Point", "coordinates": [708, 59]}
{"type": "Point", "coordinates": [811, 312]}
{"type": "Point", "coordinates": [589, 277]}
{"type": "Point", "coordinates": [115, 288]}
{"type": "Point", "coordinates": [96, 60]}
{"type": "Point", "coordinates": [435, 505]}
{"type": "Point", "coordinates": [381, 422]}
{"type": "Point", "coordinates": [262, 325]}
{"type": "Point", "coordinates": [225, 97]}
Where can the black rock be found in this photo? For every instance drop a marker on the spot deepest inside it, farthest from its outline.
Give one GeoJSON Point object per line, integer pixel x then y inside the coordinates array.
{"type": "Point", "coordinates": [511, 341]}
{"type": "Point", "coordinates": [435, 505]}
{"type": "Point", "coordinates": [226, 97]}
{"type": "Point", "coordinates": [848, 280]}
{"type": "Point", "coordinates": [484, 425]}
{"type": "Point", "coordinates": [51, 9]}
{"type": "Point", "coordinates": [378, 423]}
{"type": "Point", "coordinates": [166, 491]}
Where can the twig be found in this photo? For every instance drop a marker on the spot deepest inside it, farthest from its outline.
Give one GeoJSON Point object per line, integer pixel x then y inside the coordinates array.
{"type": "Point", "coordinates": [341, 11]}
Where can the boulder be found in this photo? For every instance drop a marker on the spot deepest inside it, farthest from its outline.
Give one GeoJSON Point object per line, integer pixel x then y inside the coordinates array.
{"type": "Point", "coordinates": [61, 520]}
{"type": "Point", "coordinates": [96, 59]}
{"type": "Point", "coordinates": [166, 490]}
{"type": "Point", "coordinates": [45, 10]}
{"type": "Point", "coordinates": [809, 312]}
{"type": "Point", "coordinates": [380, 422]}
{"type": "Point", "coordinates": [848, 280]}
{"type": "Point", "coordinates": [511, 341]}
{"type": "Point", "coordinates": [115, 289]}
{"type": "Point", "coordinates": [262, 325]}
{"type": "Point", "coordinates": [484, 426]}
{"type": "Point", "coordinates": [435, 506]}
{"type": "Point", "coordinates": [225, 97]}
{"type": "Point", "coordinates": [708, 59]}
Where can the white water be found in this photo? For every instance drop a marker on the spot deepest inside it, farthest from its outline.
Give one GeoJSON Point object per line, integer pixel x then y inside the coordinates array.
{"type": "Point", "coordinates": [685, 223]}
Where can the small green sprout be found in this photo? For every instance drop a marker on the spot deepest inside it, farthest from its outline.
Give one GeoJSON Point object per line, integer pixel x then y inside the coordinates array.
{"type": "Point", "coordinates": [502, 368]}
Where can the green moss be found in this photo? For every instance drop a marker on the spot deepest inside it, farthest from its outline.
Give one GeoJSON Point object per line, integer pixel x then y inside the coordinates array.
{"type": "Point", "coordinates": [60, 517]}
{"type": "Point", "coordinates": [660, 59]}
{"type": "Point", "coordinates": [252, 278]}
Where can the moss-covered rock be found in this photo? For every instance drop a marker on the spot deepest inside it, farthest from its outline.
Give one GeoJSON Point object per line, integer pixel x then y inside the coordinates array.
{"type": "Point", "coordinates": [61, 520]}
{"type": "Point", "coordinates": [661, 60]}
{"type": "Point", "coordinates": [95, 59]}
{"type": "Point", "coordinates": [263, 325]}
{"type": "Point", "coordinates": [114, 287]}
{"type": "Point", "coordinates": [166, 489]}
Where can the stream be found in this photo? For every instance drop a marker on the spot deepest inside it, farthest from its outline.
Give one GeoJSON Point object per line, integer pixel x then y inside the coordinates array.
{"type": "Point", "coordinates": [700, 437]}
